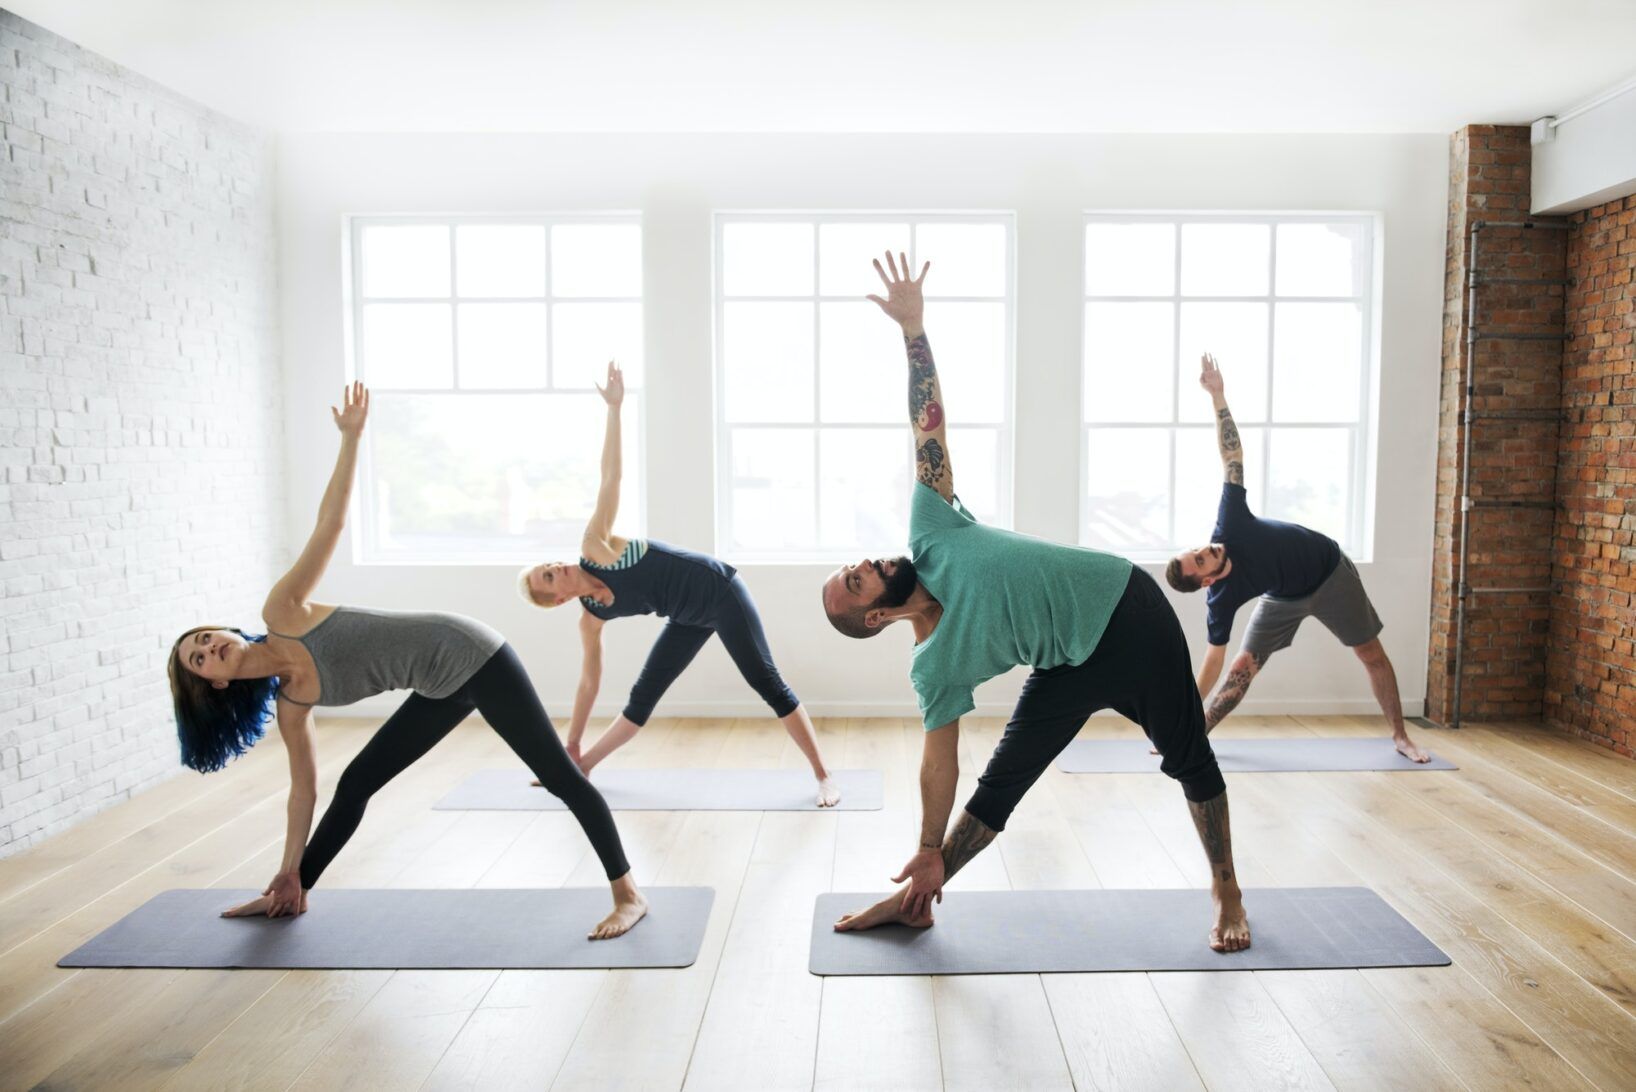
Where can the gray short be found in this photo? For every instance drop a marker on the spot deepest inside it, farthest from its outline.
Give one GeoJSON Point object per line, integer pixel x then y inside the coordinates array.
{"type": "Point", "coordinates": [1340, 603]}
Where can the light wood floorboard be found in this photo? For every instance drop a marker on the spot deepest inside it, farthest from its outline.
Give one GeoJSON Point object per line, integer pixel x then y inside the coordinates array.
{"type": "Point", "coordinates": [1521, 865]}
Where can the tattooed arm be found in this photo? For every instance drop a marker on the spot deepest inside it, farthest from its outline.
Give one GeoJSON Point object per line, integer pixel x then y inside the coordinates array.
{"type": "Point", "coordinates": [904, 304]}
{"type": "Point", "coordinates": [1232, 691]}
{"type": "Point", "coordinates": [928, 868]}
{"type": "Point", "coordinates": [1232, 448]}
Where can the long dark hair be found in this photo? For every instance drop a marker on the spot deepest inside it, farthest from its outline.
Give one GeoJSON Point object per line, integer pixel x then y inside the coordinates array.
{"type": "Point", "coordinates": [215, 725]}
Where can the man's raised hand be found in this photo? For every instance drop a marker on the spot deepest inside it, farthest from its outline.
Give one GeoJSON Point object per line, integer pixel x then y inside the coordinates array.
{"type": "Point", "coordinates": [903, 302]}
{"type": "Point", "coordinates": [1210, 375]}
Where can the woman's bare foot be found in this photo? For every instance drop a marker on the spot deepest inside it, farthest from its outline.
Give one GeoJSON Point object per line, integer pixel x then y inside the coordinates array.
{"type": "Point", "coordinates": [829, 794]}
{"type": "Point", "coordinates": [1231, 933]}
{"type": "Point", "coordinates": [888, 911]}
{"type": "Point", "coordinates": [1406, 747]}
{"type": "Point", "coordinates": [629, 908]}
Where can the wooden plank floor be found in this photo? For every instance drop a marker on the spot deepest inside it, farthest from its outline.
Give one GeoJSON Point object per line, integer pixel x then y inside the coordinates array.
{"type": "Point", "coordinates": [1521, 865]}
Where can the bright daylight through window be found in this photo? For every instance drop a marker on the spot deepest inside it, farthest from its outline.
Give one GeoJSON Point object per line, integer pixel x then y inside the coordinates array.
{"type": "Point", "coordinates": [481, 340]}
{"type": "Point", "coordinates": [815, 459]}
{"type": "Point", "coordinates": [1286, 305]}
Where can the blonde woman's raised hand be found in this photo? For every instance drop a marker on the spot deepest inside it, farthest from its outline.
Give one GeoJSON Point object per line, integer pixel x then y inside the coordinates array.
{"type": "Point", "coordinates": [354, 409]}
{"type": "Point", "coordinates": [613, 392]}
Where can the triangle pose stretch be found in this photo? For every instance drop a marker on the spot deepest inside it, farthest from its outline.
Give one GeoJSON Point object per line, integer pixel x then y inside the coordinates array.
{"type": "Point", "coordinates": [222, 682]}
{"type": "Point", "coordinates": [702, 597]}
{"type": "Point", "coordinates": [1098, 632]}
{"type": "Point", "coordinates": [1294, 573]}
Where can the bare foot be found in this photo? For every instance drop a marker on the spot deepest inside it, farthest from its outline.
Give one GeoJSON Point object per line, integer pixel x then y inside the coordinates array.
{"type": "Point", "coordinates": [1231, 933]}
{"type": "Point", "coordinates": [627, 911]}
{"type": "Point", "coordinates": [888, 911]}
{"type": "Point", "coordinates": [829, 794]}
{"type": "Point", "coordinates": [1407, 748]}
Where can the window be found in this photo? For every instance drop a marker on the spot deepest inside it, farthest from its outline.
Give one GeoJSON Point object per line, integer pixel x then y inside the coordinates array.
{"type": "Point", "coordinates": [481, 340]}
{"type": "Point", "coordinates": [815, 454]}
{"type": "Point", "coordinates": [1285, 303]}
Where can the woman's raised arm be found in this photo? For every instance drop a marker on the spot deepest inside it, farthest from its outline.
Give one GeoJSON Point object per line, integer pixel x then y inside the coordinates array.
{"type": "Point", "coordinates": [600, 527]}
{"type": "Point", "coordinates": [293, 590]}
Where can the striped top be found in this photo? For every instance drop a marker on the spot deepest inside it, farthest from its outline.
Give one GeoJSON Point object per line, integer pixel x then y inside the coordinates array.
{"type": "Point", "coordinates": [634, 549]}
{"type": "Point", "coordinates": [653, 577]}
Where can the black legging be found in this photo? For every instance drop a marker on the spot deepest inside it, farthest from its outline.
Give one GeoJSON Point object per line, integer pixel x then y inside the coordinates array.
{"type": "Point", "coordinates": [1141, 669]}
{"type": "Point", "coordinates": [502, 693]}
{"type": "Point", "coordinates": [739, 626]}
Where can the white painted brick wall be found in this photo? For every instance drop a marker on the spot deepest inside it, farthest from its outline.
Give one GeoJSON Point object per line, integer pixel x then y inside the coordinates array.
{"type": "Point", "coordinates": [141, 471]}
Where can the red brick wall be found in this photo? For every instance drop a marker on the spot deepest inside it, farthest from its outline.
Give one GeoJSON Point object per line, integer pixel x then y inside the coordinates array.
{"type": "Point", "coordinates": [1505, 634]}
{"type": "Point", "coordinates": [1591, 675]}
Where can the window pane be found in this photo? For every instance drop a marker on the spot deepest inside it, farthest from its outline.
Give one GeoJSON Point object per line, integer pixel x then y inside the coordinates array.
{"type": "Point", "coordinates": [1199, 478]}
{"type": "Point", "coordinates": [410, 260]}
{"type": "Point", "coordinates": [596, 260]}
{"type": "Point", "coordinates": [772, 484]}
{"type": "Point", "coordinates": [863, 490]}
{"type": "Point", "coordinates": [408, 345]}
{"type": "Point", "coordinates": [862, 370]}
{"type": "Point", "coordinates": [585, 336]}
{"type": "Point", "coordinates": [1129, 361]}
{"type": "Point", "coordinates": [767, 354]}
{"type": "Point", "coordinates": [502, 345]}
{"type": "Point", "coordinates": [967, 259]}
{"type": "Point", "coordinates": [968, 344]}
{"type": "Point", "coordinates": [975, 455]}
{"type": "Point", "coordinates": [1310, 472]}
{"type": "Point", "coordinates": [465, 474]}
{"type": "Point", "coordinates": [1322, 259]}
{"type": "Point", "coordinates": [500, 259]}
{"type": "Point", "coordinates": [1127, 481]}
{"type": "Point", "coordinates": [1225, 259]}
{"type": "Point", "coordinates": [767, 259]}
{"type": "Point", "coordinates": [1130, 259]}
{"type": "Point", "coordinates": [845, 251]}
{"type": "Point", "coordinates": [1237, 334]}
{"type": "Point", "coordinates": [1317, 355]}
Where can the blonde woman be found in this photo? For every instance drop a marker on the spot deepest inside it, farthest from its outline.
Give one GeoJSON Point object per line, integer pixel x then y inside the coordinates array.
{"type": "Point", "coordinates": [617, 577]}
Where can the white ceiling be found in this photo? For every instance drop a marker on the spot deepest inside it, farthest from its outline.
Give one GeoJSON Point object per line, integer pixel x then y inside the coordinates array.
{"type": "Point", "coordinates": [849, 66]}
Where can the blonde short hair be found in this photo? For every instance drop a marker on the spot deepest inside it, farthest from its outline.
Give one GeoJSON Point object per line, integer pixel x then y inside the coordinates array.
{"type": "Point", "coordinates": [527, 592]}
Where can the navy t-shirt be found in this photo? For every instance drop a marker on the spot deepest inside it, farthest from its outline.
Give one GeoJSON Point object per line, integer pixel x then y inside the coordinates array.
{"type": "Point", "coordinates": [1269, 556]}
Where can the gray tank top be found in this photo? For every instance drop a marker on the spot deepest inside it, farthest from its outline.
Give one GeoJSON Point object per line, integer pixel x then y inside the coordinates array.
{"type": "Point", "coordinates": [360, 652]}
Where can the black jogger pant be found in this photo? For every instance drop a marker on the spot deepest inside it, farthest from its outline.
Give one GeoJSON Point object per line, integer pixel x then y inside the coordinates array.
{"type": "Point", "coordinates": [502, 693]}
{"type": "Point", "coordinates": [739, 626]}
{"type": "Point", "coordinates": [1141, 669]}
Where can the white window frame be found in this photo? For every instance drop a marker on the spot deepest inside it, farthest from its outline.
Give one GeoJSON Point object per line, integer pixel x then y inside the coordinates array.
{"type": "Point", "coordinates": [723, 428]}
{"type": "Point", "coordinates": [1357, 541]}
{"type": "Point", "coordinates": [366, 547]}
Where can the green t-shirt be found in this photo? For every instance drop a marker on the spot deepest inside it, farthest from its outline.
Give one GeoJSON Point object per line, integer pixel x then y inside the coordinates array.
{"type": "Point", "coordinates": [1007, 599]}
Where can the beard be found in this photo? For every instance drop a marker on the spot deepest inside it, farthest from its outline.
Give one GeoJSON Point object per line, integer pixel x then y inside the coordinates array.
{"type": "Point", "coordinates": [899, 586]}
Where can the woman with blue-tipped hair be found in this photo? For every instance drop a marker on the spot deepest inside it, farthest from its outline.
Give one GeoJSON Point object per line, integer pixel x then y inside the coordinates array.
{"type": "Point", "coordinates": [226, 684]}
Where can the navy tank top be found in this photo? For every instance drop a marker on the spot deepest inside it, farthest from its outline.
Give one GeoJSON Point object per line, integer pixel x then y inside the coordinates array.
{"type": "Point", "coordinates": [652, 577]}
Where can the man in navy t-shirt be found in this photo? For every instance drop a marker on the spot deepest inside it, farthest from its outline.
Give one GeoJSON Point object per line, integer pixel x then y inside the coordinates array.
{"type": "Point", "coordinates": [1292, 571]}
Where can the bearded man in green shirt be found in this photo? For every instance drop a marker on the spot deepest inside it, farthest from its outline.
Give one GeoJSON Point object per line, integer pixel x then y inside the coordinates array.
{"type": "Point", "coordinates": [1097, 631]}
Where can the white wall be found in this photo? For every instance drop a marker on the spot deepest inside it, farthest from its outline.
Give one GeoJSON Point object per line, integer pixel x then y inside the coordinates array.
{"type": "Point", "coordinates": [141, 467]}
{"type": "Point", "coordinates": [676, 181]}
{"type": "Point", "coordinates": [1591, 161]}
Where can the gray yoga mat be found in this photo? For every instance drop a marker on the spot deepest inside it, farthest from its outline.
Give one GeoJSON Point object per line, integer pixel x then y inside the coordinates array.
{"type": "Point", "coordinates": [481, 928]}
{"type": "Point", "coordinates": [1038, 932]}
{"type": "Point", "coordinates": [671, 790]}
{"type": "Point", "coordinates": [1302, 754]}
